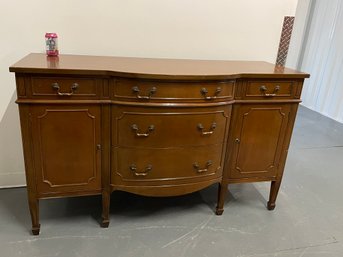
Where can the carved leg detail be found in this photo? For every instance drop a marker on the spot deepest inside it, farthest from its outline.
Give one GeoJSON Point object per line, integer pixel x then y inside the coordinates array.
{"type": "Point", "coordinates": [274, 189]}
{"type": "Point", "coordinates": [222, 191]}
{"type": "Point", "coordinates": [34, 211]}
{"type": "Point", "coordinates": [105, 209]}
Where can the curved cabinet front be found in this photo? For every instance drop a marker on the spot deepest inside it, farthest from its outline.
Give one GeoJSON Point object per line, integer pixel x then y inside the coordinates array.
{"type": "Point", "coordinates": [159, 146]}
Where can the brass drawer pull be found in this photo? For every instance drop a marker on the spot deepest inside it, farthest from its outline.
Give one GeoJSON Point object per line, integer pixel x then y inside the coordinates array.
{"type": "Point", "coordinates": [264, 89]}
{"type": "Point", "coordinates": [204, 93]}
{"type": "Point", "coordinates": [135, 128]}
{"type": "Point", "coordinates": [73, 87]}
{"type": "Point", "coordinates": [150, 93]}
{"type": "Point", "coordinates": [201, 128]}
{"type": "Point", "coordinates": [196, 166]}
{"type": "Point", "coordinates": [133, 168]}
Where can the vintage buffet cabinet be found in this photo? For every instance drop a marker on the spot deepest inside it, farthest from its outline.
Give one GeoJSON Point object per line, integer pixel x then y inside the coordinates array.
{"type": "Point", "coordinates": [155, 127]}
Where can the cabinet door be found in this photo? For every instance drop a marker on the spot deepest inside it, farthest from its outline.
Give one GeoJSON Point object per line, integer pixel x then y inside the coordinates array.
{"type": "Point", "coordinates": [258, 139]}
{"type": "Point", "coordinates": [66, 142]}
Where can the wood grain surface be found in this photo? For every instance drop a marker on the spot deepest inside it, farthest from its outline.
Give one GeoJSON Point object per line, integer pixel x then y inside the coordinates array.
{"type": "Point", "coordinates": [152, 68]}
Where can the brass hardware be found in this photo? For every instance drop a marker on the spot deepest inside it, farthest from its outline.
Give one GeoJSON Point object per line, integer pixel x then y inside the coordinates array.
{"type": "Point", "coordinates": [73, 87]}
{"type": "Point", "coordinates": [146, 134]}
{"type": "Point", "coordinates": [98, 147]}
{"type": "Point", "coordinates": [150, 93]}
{"type": "Point", "coordinates": [237, 140]}
{"type": "Point", "coordinates": [196, 166]}
{"type": "Point", "coordinates": [204, 92]}
{"type": "Point", "coordinates": [133, 168]}
{"type": "Point", "coordinates": [201, 128]}
{"type": "Point", "coordinates": [264, 89]}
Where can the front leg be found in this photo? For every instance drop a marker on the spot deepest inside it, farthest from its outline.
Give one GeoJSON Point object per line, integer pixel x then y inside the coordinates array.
{"type": "Point", "coordinates": [222, 191]}
{"type": "Point", "coordinates": [106, 198]}
{"type": "Point", "coordinates": [274, 189]}
{"type": "Point", "coordinates": [34, 211]}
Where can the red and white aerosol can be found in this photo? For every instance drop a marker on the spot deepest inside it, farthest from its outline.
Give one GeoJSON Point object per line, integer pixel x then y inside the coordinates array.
{"type": "Point", "coordinates": [51, 42]}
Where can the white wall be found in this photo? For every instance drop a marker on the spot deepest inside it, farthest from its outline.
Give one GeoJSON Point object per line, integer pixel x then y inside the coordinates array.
{"type": "Point", "coordinates": [322, 57]}
{"type": "Point", "coordinates": [198, 29]}
{"type": "Point", "coordinates": [299, 37]}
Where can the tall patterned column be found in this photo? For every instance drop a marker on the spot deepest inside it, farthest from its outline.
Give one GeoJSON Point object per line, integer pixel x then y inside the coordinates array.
{"type": "Point", "coordinates": [285, 40]}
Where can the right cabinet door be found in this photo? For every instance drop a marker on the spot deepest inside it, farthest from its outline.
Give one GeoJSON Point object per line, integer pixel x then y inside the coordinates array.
{"type": "Point", "coordinates": [258, 137]}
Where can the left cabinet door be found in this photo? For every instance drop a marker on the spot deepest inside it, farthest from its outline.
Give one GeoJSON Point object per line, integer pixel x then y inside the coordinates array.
{"type": "Point", "coordinates": [66, 149]}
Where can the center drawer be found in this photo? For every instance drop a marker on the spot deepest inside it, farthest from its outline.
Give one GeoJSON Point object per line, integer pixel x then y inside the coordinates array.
{"type": "Point", "coordinates": [161, 128]}
{"type": "Point", "coordinates": [141, 90]}
{"type": "Point", "coordinates": [134, 164]}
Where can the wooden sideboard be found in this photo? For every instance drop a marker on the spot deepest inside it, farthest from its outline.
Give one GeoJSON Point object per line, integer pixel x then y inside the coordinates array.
{"type": "Point", "coordinates": [155, 127]}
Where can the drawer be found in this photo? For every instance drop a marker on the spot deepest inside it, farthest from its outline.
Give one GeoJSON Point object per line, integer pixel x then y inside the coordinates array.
{"type": "Point", "coordinates": [269, 89]}
{"type": "Point", "coordinates": [65, 87]}
{"type": "Point", "coordinates": [137, 90]}
{"type": "Point", "coordinates": [154, 127]}
{"type": "Point", "coordinates": [136, 164]}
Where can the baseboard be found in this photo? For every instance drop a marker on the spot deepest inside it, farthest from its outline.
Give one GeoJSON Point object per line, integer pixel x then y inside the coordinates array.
{"type": "Point", "coordinates": [12, 179]}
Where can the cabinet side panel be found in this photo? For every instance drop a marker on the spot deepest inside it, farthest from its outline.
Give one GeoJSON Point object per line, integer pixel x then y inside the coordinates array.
{"type": "Point", "coordinates": [25, 124]}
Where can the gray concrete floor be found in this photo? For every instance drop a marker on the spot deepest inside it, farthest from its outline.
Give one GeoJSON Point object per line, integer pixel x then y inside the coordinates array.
{"type": "Point", "coordinates": [307, 221]}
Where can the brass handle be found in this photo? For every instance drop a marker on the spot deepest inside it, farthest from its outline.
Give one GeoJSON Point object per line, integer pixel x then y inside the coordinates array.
{"type": "Point", "coordinates": [73, 87]}
{"type": "Point", "coordinates": [204, 93]}
{"type": "Point", "coordinates": [201, 128]}
{"type": "Point", "coordinates": [133, 168]}
{"type": "Point", "coordinates": [237, 140]}
{"type": "Point", "coordinates": [199, 170]}
{"type": "Point", "coordinates": [135, 128]}
{"type": "Point", "coordinates": [264, 89]}
{"type": "Point", "coordinates": [150, 93]}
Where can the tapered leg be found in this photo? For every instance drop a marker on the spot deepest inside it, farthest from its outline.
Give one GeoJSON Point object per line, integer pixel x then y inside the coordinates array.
{"type": "Point", "coordinates": [222, 191]}
{"type": "Point", "coordinates": [274, 189]}
{"type": "Point", "coordinates": [105, 209]}
{"type": "Point", "coordinates": [34, 210]}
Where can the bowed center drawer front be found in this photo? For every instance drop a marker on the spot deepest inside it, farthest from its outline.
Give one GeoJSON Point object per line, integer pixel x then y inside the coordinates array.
{"type": "Point", "coordinates": [135, 127]}
{"type": "Point", "coordinates": [137, 90]}
{"type": "Point", "coordinates": [65, 87]}
{"type": "Point", "coordinates": [144, 165]}
{"type": "Point", "coordinates": [269, 89]}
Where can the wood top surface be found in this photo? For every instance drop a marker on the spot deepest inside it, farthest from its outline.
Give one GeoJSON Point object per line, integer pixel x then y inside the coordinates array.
{"type": "Point", "coordinates": [150, 68]}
